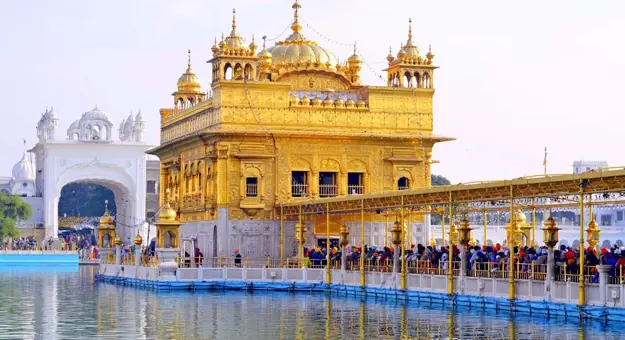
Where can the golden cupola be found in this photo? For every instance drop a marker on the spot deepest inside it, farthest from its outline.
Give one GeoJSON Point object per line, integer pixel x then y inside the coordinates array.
{"type": "Point", "coordinates": [233, 44]}
{"type": "Point", "coordinates": [106, 219]}
{"type": "Point", "coordinates": [189, 90]}
{"type": "Point", "coordinates": [409, 68]}
{"type": "Point", "coordinates": [354, 63]}
{"type": "Point", "coordinates": [188, 81]}
{"type": "Point", "coordinates": [167, 213]}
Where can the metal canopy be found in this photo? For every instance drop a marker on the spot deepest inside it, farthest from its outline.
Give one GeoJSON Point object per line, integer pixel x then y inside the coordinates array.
{"type": "Point", "coordinates": [595, 181]}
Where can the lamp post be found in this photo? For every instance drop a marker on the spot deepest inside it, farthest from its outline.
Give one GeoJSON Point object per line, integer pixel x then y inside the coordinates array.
{"type": "Point", "coordinates": [137, 241]}
{"type": "Point", "coordinates": [403, 248]}
{"type": "Point", "coordinates": [396, 239]}
{"type": "Point", "coordinates": [450, 267]}
{"type": "Point", "coordinates": [344, 241]}
{"type": "Point", "coordinates": [550, 238]}
{"type": "Point", "coordinates": [593, 232]}
{"type": "Point", "coordinates": [465, 235]}
{"type": "Point", "coordinates": [328, 271]}
{"type": "Point", "coordinates": [300, 236]}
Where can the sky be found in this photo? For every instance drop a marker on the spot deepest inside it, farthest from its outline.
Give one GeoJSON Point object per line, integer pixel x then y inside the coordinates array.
{"type": "Point", "coordinates": [514, 77]}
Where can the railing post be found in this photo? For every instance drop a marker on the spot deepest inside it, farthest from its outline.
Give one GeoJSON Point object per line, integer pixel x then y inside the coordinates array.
{"type": "Point", "coordinates": [582, 283]}
{"type": "Point", "coordinates": [603, 283]}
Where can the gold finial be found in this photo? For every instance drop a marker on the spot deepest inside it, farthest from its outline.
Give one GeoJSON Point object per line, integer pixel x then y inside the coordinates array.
{"type": "Point", "coordinates": [189, 60]}
{"type": "Point", "coordinates": [234, 19]}
{"type": "Point", "coordinates": [410, 29]}
{"type": "Point", "coordinates": [106, 207]}
{"type": "Point", "coordinates": [296, 27]}
{"type": "Point", "coordinates": [355, 43]}
{"type": "Point", "coordinates": [264, 41]}
{"type": "Point", "coordinates": [296, 6]}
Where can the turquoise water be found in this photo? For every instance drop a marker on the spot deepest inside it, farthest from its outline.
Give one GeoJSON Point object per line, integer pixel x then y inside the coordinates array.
{"type": "Point", "coordinates": [50, 302]}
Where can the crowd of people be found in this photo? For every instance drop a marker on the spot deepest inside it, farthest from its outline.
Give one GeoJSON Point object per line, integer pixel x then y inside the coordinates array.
{"type": "Point", "coordinates": [479, 259]}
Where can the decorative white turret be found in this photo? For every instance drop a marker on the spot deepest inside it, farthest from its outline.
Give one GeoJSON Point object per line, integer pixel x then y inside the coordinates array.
{"type": "Point", "coordinates": [23, 177]}
{"type": "Point", "coordinates": [138, 128]}
{"type": "Point", "coordinates": [94, 125]}
{"type": "Point", "coordinates": [126, 129]}
{"type": "Point", "coordinates": [46, 127]}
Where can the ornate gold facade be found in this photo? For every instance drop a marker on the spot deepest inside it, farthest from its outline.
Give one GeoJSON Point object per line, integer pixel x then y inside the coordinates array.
{"type": "Point", "coordinates": [291, 122]}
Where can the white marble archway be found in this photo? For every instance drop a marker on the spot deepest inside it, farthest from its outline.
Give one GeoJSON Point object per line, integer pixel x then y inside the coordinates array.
{"type": "Point", "coordinates": [120, 168]}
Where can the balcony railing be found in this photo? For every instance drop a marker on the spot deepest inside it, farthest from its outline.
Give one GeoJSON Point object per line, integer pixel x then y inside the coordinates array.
{"type": "Point", "coordinates": [403, 188]}
{"type": "Point", "coordinates": [355, 189]}
{"type": "Point", "coordinates": [251, 190]}
{"type": "Point", "coordinates": [299, 190]}
{"type": "Point", "coordinates": [327, 190]}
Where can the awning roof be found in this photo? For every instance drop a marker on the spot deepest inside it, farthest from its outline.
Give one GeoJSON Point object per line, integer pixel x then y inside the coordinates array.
{"type": "Point", "coordinates": [596, 181]}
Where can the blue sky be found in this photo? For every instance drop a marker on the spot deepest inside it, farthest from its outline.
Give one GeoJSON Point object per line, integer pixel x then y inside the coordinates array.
{"type": "Point", "coordinates": [514, 77]}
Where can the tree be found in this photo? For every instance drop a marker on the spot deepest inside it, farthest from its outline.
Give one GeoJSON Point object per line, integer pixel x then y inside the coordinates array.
{"type": "Point", "coordinates": [436, 181]}
{"type": "Point", "coordinates": [11, 209]}
{"type": "Point", "coordinates": [439, 180]}
{"type": "Point", "coordinates": [85, 199]}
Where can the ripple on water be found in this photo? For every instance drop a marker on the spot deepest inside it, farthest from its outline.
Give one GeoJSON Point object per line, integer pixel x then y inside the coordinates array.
{"type": "Point", "coordinates": [66, 303]}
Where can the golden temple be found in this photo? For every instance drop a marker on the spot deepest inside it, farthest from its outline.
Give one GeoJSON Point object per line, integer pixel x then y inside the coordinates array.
{"type": "Point", "coordinates": [290, 123]}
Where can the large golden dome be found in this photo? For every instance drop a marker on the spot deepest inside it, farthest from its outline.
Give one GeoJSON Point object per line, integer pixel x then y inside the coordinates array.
{"type": "Point", "coordinates": [297, 51]}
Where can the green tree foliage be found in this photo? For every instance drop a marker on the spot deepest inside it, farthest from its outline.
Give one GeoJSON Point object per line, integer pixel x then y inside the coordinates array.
{"type": "Point", "coordinates": [85, 199]}
{"type": "Point", "coordinates": [11, 209]}
{"type": "Point", "coordinates": [439, 180]}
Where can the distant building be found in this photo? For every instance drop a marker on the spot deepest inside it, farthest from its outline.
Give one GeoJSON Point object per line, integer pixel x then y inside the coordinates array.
{"type": "Point", "coordinates": [153, 175]}
{"type": "Point", "coordinates": [605, 215]}
{"type": "Point", "coordinates": [581, 166]}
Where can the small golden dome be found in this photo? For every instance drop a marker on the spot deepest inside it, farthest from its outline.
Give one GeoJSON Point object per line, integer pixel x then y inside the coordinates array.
{"type": "Point", "coordinates": [293, 100]}
{"type": "Point", "coordinates": [401, 54]}
{"type": "Point", "coordinates": [354, 58]}
{"type": "Point", "coordinates": [327, 102]}
{"type": "Point", "coordinates": [339, 103]}
{"type": "Point", "coordinates": [520, 217]}
{"type": "Point", "coordinates": [390, 57]}
{"type": "Point", "coordinates": [215, 48]}
{"type": "Point", "coordinates": [234, 42]}
{"type": "Point", "coordinates": [106, 219]}
{"type": "Point", "coordinates": [361, 103]}
{"type": "Point", "coordinates": [188, 81]}
{"type": "Point", "coordinates": [117, 240]}
{"type": "Point", "coordinates": [138, 240]}
{"type": "Point", "coordinates": [304, 100]}
{"type": "Point", "coordinates": [350, 102]}
{"type": "Point", "coordinates": [167, 213]}
{"type": "Point", "coordinates": [316, 101]}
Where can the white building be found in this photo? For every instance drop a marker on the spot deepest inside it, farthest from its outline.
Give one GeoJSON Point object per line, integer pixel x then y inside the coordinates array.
{"type": "Point", "coordinates": [89, 154]}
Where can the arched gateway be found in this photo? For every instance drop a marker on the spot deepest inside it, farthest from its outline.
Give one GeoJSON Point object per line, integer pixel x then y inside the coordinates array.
{"type": "Point", "coordinates": [91, 155]}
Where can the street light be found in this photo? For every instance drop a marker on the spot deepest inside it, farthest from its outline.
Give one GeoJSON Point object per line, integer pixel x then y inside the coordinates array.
{"type": "Point", "coordinates": [465, 237]}
{"type": "Point", "coordinates": [396, 239]}
{"type": "Point", "coordinates": [453, 234]}
{"type": "Point", "coordinates": [550, 233]}
{"type": "Point", "coordinates": [592, 233]}
{"type": "Point", "coordinates": [343, 242]}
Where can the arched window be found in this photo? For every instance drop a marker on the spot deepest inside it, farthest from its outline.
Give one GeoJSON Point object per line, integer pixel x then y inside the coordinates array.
{"type": "Point", "coordinates": [106, 240]}
{"type": "Point", "coordinates": [247, 72]}
{"type": "Point", "coordinates": [426, 81]}
{"type": "Point", "coordinates": [403, 183]}
{"type": "Point", "coordinates": [238, 72]}
{"type": "Point", "coordinates": [228, 71]}
{"type": "Point", "coordinates": [417, 79]}
{"type": "Point", "coordinates": [190, 101]}
{"type": "Point", "coordinates": [407, 79]}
